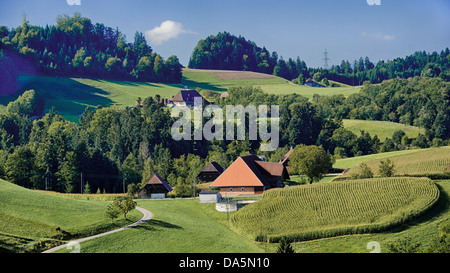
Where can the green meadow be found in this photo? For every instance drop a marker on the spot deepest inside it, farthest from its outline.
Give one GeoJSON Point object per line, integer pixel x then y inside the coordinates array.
{"type": "Point", "coordinates": [29, 219]}
{"type": "Point", "coordinates": [383, 129]}
{"type": "Point", "coordinates": [178, 226]}
{"type": "Point", "coordinates": [309, 92]}
{"type": "Point", "coordinates": [71, 96]}
{"type": "Point", "coordinates": [353, 161]}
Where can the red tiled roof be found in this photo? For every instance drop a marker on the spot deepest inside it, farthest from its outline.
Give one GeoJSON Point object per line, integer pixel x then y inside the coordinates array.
{"type": "Point", "coordinates": [250, 170]}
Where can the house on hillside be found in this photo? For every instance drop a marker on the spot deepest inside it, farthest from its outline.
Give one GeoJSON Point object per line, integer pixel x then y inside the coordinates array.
{"type": "Point", "coordinates": [210, 172]}
{"type": "Point", "coordinates": [186, 98]}
{"type": "Point", "coordinates": [312, 83]}
{"type": "Point", "coordinates": [156, 188]}
{"type": "Point", "coordinates": [250, 175]}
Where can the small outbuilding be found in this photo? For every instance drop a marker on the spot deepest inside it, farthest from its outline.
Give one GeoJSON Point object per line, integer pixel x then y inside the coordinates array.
{"type": "Point", "coordinates": [210, 172]}
{"type": "Point", "coordinates": [156, 188]}
{"type": "Point", "coordinates": [209, 196]}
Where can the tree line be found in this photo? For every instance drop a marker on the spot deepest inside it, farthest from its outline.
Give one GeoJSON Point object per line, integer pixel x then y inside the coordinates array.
{"type": "Point", "coordinates": [229, 52]}
{"type": "Point", "coordinates": [75, 47]}
{"type": "Point", "coordinates": [418, 101]}
{"type": "Point", "coordinates": [113, 148]}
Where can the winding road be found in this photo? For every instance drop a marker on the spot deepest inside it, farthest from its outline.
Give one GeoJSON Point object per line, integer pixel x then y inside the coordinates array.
{"type": "Point", "coordinates": [147, 215]}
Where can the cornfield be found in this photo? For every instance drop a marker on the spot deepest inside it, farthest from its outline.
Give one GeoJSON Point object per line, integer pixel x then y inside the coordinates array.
{"type": "Point", "coordinates": [335, 208]}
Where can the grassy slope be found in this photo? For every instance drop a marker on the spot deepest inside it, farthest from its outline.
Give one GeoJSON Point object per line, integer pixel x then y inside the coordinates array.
{"type": "Point", "coordinates": [353, 161]}
{"type": "Point", "coordinates": [423, 162]}
{"type": "Point", "coordinates": [276, 85]}
{"type": "Point", "coordinates": [27, 217]}
{"type": "Point", "coordinates": [178, 226]}
{"type": "Point", "coordinates": [70, 96]}
{"type": "Point", "coordinates": [288, 88]}
{"type": "Point", "coordinates": [383, 129]}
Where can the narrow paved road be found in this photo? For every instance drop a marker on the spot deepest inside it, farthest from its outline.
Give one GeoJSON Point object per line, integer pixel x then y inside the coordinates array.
{"type": "Point", "coordinates": [147, 215]}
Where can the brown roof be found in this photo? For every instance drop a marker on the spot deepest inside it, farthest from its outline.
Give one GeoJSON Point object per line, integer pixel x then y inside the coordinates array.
{"type": "Point", "coordinates": [188, 96]}
{"type": "Point", "coordinates": [275, 169]}
{"type": "Point", "coordinates": [156, 179]}
{"type": "Point", "coordinates": [285, 157]}
{"type": "Point", "coordinates": [250, 170]}
{"type": "Point", "coordinates": [213, 167]}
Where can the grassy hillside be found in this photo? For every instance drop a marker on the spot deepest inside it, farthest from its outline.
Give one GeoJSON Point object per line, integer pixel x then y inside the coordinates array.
{"type": "Point", "coordinates": [383, 129]}
{"type": "Point", "coordinates": [29, 219]}
{"type": "Point", "coordinates": [288, 88]}
{"type": "Point", "coordinates": [350, 162]}
{"type": "Point", "coordinates": [178, 226]}
{"type": "Point", "coordinates": [336, 208]}
{"type": "Point", "coordinates": [422, 163]}
{"type": "Point", "coordinates": [71, 96]}
{"type": "Point", "coordinates": [217, 80]}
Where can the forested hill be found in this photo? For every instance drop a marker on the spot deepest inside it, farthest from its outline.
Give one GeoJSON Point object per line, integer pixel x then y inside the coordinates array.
{"type": "Point", "coordinates": [76, 47]}
{"type": "Point", "coordinates": [226, 51]}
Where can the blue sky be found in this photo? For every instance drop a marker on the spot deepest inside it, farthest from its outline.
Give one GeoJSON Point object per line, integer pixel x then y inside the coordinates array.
{"type": "Point", "coordinates": [348, 29]}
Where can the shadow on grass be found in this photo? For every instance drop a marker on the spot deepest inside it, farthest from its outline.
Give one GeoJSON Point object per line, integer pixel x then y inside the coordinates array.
{"type": "Point", "coordinates": [67, 95]}
{"type": "Point", "coordinates": [157, 224]}
{"type": "Point", "coordinates": [204, 86]}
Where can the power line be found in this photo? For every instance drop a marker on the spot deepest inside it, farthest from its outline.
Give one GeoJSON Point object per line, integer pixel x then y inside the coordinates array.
{"type": "Point", "coordinates": [326, 59]}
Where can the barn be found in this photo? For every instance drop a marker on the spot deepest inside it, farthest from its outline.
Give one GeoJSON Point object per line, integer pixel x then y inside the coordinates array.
{"type": "Point", "coordinates": [312, 83]}
{"type": "Point", "coordinates": [284, 160]}
{"type": "Point", "coordinates": [210, 172]}
{"type": "Point", "coordinates": [249, 175]}
{"type": "Point", "coordinates": [186, 98]}
{"type": "Point", "coordinates": [156, 188]}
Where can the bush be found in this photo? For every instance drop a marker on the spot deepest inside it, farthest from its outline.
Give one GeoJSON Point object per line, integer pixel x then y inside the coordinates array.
{"type": "Point", "coordinates": [284, 246]}
{"type": "Point", "coordinates": [420, 141]}
{"type": "Point", "coordinates": [364, 172]}
{"type": "Point", "coordinates": [112, 212]}
{"type": "Point", "coordinates": [386, 168]}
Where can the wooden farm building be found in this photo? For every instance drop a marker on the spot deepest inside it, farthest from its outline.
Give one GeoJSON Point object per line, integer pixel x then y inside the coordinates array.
{"type": "Point", "coordinates": [284, 160]}
{"type": "Point", "coordinates": [210, 172]}
{"type": "Point", "coordinates": [312, 83]}
{"type": "Point", "coordinates": [186, 98]}
{"type": "Point", "coordinates": [156, 188]}
{"type": "Point", "coordinates": [250, 175]}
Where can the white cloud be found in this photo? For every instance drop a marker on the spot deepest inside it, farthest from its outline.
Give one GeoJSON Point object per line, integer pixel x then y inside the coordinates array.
{"type": "Point", "coordinates": [379, 36]}
{"type": "Point", "coordinates": [166, 31]}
